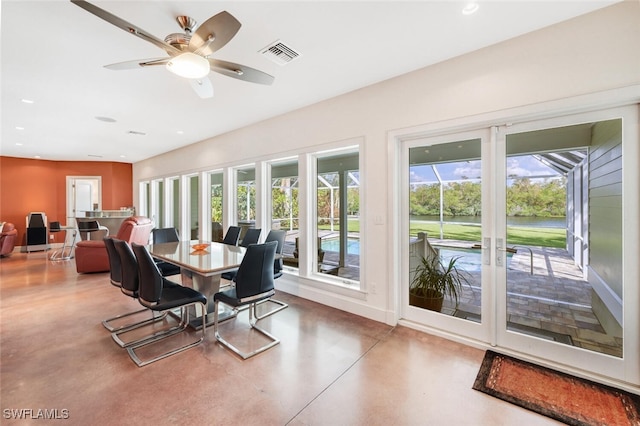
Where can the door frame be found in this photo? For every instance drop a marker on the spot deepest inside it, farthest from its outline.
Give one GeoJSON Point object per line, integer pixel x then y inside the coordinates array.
{"type": "Point", "coordinates": [483, 330]}
{"type": "Point", "coordinates": [625, 368]}
{"type": "Point", "coordinates": [624, 372]}
{"type": "Point", "coordinates": [70, 196]}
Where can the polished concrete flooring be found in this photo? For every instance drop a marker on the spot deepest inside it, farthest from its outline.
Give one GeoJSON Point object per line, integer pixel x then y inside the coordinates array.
{"type": "Point", "coordinates": [331, 367]}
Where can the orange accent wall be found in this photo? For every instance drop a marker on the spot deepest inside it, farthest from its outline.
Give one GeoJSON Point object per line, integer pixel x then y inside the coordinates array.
{"type": "Point", "coordinates": [28, 185]}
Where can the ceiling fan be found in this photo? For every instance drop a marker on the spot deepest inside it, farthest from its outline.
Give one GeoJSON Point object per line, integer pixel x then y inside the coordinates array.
{"type": "Point", "coordinates": [189, 51]}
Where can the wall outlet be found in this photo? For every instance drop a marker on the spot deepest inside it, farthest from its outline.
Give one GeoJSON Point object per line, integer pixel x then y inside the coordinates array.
{"type": "Point", "coordinates": [51, 237]}
{"type": "Point", "coordinates": [373, 288]}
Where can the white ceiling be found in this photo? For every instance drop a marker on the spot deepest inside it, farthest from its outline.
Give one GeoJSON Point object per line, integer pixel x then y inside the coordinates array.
{"type": "Point", "coordinates": [53, 53]}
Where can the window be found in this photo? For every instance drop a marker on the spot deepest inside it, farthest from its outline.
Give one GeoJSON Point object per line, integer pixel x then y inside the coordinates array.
{"type": "Point", "coordinates": [193, 183]}
{"type": "Point", "coordinates": [216, 193]}
{"type": "Point", "coordinates": [285, 208]}
{"type": "Point", "coordinates": [337, 206]}
{"type": "Point", "coordinates": [245, 198]}
{"type": "Point", "coordinates": [157, 209]}
{"type": "Point", "coordinates": [145, 199]}
{"type": "Point", "coordinates": [174, 202]}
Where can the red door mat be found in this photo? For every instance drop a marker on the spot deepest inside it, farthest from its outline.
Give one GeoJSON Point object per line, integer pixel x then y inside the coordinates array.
{"type": "Point", "coordinates": [569, 399]}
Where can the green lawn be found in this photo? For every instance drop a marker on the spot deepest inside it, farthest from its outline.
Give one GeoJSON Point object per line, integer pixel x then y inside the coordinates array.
{"type": "Point", "coordinates": [354, 226]}
{"type": "Point", "coordinates": [543, 237]}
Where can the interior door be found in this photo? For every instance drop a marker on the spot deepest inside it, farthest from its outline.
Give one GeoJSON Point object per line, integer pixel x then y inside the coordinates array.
{"type": "Point", "coordinates": [84, 193]}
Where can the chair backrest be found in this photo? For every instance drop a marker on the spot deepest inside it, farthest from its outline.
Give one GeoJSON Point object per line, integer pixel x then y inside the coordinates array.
{"type": "Point", "coordinates": [151, 281]}
{"type": "Point", "coordinates": [277, 235]}
{"type": "Point", "coordinates": [255, 274]}
{"type": "Point", "coordinates": [232, 236]}
{"type": "Point", "coordinates": [88, 225]}
{"type": "Point", "coordinates": [115, 268]}
{"type": "Point", "coordinates": [135, 229]}
{"type": "Point", "coordinates": [36, 220]}
{"type": "Point", "coordinates": [165, 235]}
{"type": "Point", "coordinates": [129, 283]}
{"type": "Point", "coordinates": [252, 236]}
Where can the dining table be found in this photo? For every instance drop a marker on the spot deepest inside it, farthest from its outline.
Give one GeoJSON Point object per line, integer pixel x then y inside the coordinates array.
{"type": "Point", "coordinates": [201, 266]}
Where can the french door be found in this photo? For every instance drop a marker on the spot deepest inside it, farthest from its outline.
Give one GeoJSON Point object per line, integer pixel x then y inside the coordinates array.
{"type": "Point", "coordinates": [542, 219]}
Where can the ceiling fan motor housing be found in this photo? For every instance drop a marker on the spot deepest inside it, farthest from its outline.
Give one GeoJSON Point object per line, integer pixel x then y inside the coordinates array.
{"type": "Point", "coordinates": [178, 40]}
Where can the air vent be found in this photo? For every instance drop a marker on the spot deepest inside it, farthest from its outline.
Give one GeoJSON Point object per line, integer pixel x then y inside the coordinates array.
{"type": "Point", "coordinates": [134, 132]}
{"type": "Point", "coordinates": [280, 53]}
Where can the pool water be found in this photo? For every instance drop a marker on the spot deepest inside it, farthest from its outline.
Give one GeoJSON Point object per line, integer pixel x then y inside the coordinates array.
{"type": "Point", "coordinates": [333, 244]}
{"type": "Point", "coordinates": [470, 260]}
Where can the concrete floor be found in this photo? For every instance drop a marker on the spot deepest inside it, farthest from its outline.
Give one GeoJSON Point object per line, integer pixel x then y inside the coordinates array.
{"type": "Point", "coordinates": [331, 367]}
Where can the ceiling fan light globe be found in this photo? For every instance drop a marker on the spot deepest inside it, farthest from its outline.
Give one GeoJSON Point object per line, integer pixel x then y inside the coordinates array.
{"type": "Point", "coordinates": [189, 65]}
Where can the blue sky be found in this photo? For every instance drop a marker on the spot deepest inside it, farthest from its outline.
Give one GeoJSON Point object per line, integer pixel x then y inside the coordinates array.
{"type": "Point", "coordinates": [525, 165]}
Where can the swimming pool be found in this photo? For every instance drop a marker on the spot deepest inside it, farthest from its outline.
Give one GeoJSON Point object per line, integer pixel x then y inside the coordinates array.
{"type": "Point", "coordinates": [333, 244]}
{"type": "Point", "coordinates": [470, 260]}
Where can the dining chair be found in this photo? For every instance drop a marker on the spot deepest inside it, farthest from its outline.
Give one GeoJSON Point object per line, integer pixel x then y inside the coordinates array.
{"type": "Point", "coordinates": [279, 236]}
{"type": "Point", "coordinates": [130, 286]}
{"type": "Point", "coordinates": [115, 277]}
{"type": "Point", "coordinates": [252, 236]}
{"type": "Point", "coordinates": [254, 283]}
{"type": "Point", "coordinates": [232, 236]}
{"type": "Point", "coordinates": [161, 295]}
{"type": "Point", "coordinates": [166, 235]}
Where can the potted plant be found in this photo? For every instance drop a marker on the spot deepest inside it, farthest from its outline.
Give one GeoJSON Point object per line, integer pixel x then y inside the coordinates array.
{"type": "Point", "coordinates": [433, 280]}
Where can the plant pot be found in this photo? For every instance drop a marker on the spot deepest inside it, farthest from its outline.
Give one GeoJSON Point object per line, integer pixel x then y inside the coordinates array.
{"type": "Point", "coordinates": [430, 300]}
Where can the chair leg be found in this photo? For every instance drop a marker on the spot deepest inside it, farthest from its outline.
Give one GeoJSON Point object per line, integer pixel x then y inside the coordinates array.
{"type": "Point", "coordinates": [252, 321]}
{"type": "Point", "coordinates": [115, 335]}
{"type": "Point", "coordinates": [106, 323]}
{"type": "Point", "coordinates": [282, 306]}
{"type": "Point", "coordinates": [153, 339]}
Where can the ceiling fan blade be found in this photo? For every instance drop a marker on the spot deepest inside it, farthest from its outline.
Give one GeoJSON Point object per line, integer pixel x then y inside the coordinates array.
{"type": "Point", "coordinates": [138, 63]}
{"type": "Point", "coordinates": [126, 26]}
{"type": "Point", "coordinates": [202, 86]}
{"type": "Point", "coordinates": [214, 33]}
{"type": "Point", "coordinates": [241, 72]}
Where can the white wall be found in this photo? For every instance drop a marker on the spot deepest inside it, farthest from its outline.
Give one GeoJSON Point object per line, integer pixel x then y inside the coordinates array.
{"type": "Point", "coordinates": [592, 53]}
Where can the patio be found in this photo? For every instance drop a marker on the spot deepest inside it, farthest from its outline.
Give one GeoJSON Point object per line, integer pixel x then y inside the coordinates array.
{"type": "Point", "coordinates": [552, 303]}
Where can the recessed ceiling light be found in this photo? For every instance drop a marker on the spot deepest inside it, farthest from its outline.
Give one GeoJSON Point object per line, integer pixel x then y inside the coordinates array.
{"type": "Point", "coordinates": [18, 144]}
{"type": "Point", "coordinates": [180, 132]}
{"type": "Point", "coordinates": [19, 128]}
{"type": "Point", "coordinates": [123, 156]}
{"type": "Point", "coordinates": [36, 156]}
{"type": "Point", "coordinates": [470, 8]}
{"type": "Point", "coordinates": [27, 101]}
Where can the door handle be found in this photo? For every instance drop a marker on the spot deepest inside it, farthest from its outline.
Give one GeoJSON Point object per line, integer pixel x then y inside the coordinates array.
{"type": "Point", "coordinates": [500, 250]}
{"type": "Point", "coordinates": [486, 250]}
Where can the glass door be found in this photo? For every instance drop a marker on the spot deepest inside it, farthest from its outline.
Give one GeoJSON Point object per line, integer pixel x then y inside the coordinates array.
{"type": "Point", "coordinates": [540, 219]}
{"type": "Point", "coordinates": [565, 206]}
{"type": "Point", "coordinates": [447, 255]}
